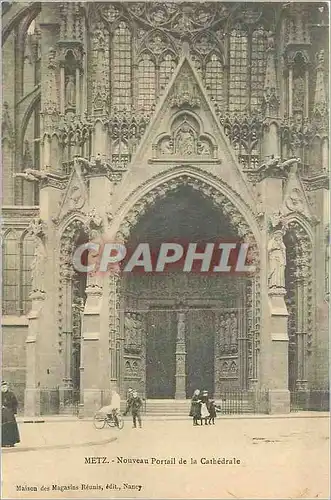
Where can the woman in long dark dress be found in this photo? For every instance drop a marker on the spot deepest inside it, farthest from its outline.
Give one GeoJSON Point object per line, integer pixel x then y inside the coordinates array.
{"type": "Point", "coordinates": [9, 430]}
{"type": "Point", "coordinates": [195, 407]}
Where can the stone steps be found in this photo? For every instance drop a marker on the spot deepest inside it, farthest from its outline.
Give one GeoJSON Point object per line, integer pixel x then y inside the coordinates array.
{"type": "Point", "coordinates": [182, 407]}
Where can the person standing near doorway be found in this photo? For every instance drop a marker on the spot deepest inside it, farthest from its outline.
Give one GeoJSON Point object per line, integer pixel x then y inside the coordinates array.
{"type": "Point", "coordinates": [135, 404]}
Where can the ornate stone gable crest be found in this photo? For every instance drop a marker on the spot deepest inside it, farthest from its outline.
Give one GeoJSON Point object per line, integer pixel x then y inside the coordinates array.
{"type": "Point", "coordinates": [177, 129]}
{"type": "Point", "coordinates": [185, 92]}
{"type": "Point", "coordinates": [75, 195]}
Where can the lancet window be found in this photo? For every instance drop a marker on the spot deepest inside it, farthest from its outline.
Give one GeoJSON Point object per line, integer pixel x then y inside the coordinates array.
{"type": "Point", "coordinates": [18, 252]}
{"type": "Point", "coordinates": [121, 68]}
{"type": "Point", "coordinates": [238, 81]}
{"type": "Point", "coordinates": [258, 66]}
{"type": "Point", "coordinates": [146, 83]}
{"type": "Point", "coordinates": [214, 78]}
{"type": "Point", "coordinates": [247, 66]}
{"type": "Point", "coordinates": [167, 67]}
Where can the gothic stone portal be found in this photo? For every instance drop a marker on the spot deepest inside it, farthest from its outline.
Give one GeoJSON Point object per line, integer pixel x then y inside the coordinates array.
{"type": "Point", "coordinates": [173, 346]}
{"type": "Point", "coordinates": [183, 331]}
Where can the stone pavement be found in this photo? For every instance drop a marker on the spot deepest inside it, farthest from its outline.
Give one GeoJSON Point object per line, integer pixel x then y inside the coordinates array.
{"type": "Point", "coordinates": [65, 431]}
{"type": "Point", "coordinates": [52, 434]}
{"type": "Point", "coordinates": [267, 458]}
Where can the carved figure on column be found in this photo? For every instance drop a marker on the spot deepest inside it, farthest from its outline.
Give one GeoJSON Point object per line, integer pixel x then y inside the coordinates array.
{"type": "Point", "coordinates": [277, 260]}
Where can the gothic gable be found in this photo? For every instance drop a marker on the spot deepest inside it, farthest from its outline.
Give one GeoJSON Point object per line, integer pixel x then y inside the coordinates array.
{"type": "Point", "coordinates": [185, 130]}
{"type": "Point", "coordinates": [75, 195]}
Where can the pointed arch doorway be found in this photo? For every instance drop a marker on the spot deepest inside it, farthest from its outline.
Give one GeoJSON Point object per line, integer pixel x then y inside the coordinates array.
{"type": "Point", "coordinates": [183, 331]}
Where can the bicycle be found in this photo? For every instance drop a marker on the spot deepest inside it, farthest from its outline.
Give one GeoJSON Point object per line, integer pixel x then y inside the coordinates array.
{"type": "Point", "coordinates": [101, 419]}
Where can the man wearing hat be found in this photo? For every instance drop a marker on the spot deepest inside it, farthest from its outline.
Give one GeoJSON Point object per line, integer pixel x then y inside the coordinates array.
{"type": "Point", "coordinates": [9, 430]}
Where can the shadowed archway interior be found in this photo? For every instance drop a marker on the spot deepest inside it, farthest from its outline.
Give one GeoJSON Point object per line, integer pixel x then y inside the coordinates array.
{"type": "Point", "coordinates": [185, 215]}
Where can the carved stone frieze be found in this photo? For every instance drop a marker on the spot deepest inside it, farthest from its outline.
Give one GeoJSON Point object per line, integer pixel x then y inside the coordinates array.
{"type": "Point", "coordinates": [185, 141]}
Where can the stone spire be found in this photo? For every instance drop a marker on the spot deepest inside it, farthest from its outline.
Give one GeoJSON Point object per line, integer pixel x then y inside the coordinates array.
{"type": "Point", "coordinates": [271, 100]}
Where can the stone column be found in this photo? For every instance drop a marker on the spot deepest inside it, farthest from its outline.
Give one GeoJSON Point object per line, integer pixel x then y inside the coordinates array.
{"type": "Point", "coordinates": [93, 370]}
{"type": "Point", "coordinates": [302, 307]}
{"type": "Point", "coordinates": [98, 329]}
{"type": "Point", "coordinates": [274, 336]}
{"type": "Point", "coordinates": [65, 390]}
{"type": "Point", "coordinates": [42, 359]}
{"type": "Point", "coordinates": [242, 339]}
{"type": "Point", "coordinates": [32, 388]}
{"type": "Point", "coordinates": [49, 25]}
{"type": "Point", "coordinates": [290, 91]}
{"type": "Point", "coordinates": [180, 358]}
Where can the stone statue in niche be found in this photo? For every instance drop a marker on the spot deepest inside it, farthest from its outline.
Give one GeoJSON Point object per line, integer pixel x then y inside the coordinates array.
{"type": "Point", "coordinates": [277, 260]}
{"type": "Point", "coordinates": [70, 92]}
{"type": "Point", "coordinates": [132, 329]}
{"type": "Point", "coordinates": [185, 140]}
{"type": "Point", "coordinates": [167, 147]}
{"type": "Point", "coordinates": [204, 148]}
{"type": "Point", "coordinates": [298, 92]}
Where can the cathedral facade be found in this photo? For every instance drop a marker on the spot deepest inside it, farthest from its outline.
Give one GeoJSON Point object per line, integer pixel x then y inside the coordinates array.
{"type": "Point", "coordinates": [155, 122]}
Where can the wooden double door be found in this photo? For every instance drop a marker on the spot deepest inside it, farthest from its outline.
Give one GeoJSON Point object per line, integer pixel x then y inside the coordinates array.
{"type": "Point", "coordinates": [161, 342]}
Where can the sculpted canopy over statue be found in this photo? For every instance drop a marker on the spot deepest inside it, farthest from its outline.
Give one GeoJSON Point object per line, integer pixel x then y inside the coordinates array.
{"type": "Point", "coordinates": [277, 261]}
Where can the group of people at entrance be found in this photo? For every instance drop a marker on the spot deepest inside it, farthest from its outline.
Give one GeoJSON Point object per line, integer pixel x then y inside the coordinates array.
{"type": "Point", "coordinates": [203, 408]}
